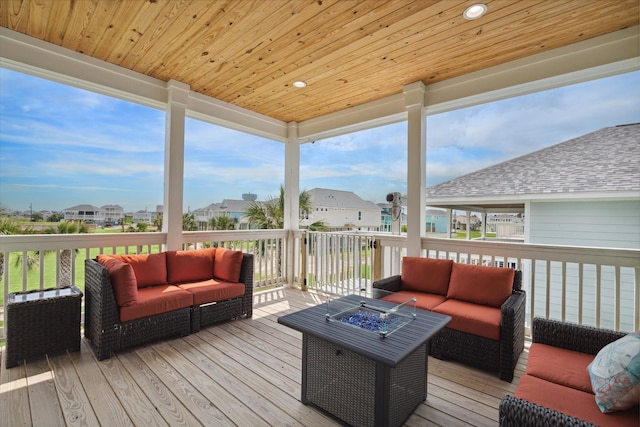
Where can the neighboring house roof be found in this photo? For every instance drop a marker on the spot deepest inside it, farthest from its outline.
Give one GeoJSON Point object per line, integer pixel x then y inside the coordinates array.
{"type": "Point", "coordinates": [112, 207]}
{"type": "Point", "coordinates": [83, 208]}
{"type": "Point", "coordinates": [339, 199]}
{"type": "Point", "coordinates": [600, 164]}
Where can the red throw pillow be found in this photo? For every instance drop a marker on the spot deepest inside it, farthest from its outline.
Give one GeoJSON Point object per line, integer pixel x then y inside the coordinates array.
{"type": "Point", "coordinates": [426, 275]}
{"type": "Point", "coordinates": [190, 266]}
{"type": "Point", "coordinates": [150, 269]}
{"type": "Point", "coordinates": [480, 284]}
{"type": "Point", "coordinates": [123, 281]}
{"type": "Point", "coordinates": [227, 265]}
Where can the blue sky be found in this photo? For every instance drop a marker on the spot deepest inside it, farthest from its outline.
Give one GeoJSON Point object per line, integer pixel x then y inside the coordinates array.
{"type": "Point", "coordinates": [61, 146]}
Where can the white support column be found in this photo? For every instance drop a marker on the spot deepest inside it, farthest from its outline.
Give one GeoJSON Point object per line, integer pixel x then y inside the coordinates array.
{"type": "Point", "coordinates": [484, 226]}
{"type": "Point", "coordinates": [468, 225]}
{"type": "Point", "coordinates": [178, 97]}
{"type": "Point", "coordinates": [291, 194]}
{"type": "Point", "coordinates": [416, 166]}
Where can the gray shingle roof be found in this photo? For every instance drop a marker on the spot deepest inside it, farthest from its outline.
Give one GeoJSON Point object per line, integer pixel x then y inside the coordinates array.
{"type": "Point", "coordinates": [602, 161]}
{"type": "Point", "coordinates": [339, 199]}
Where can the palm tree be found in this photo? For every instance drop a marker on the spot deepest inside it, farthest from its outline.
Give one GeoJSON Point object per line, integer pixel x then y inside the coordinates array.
{"type": "Point", "coordinates": [65, 255]}
{"type": "Point", "coordinates": [9, 226]}
{"type": "Point", "coordinates": [222, 223]}
{"type": "Point", "coordinates": [270, 214]}
{"type": "Point", "coordinates": [189, 222]}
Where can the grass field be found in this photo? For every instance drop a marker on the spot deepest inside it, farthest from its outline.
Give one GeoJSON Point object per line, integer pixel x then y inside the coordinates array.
{"type": "Point", "coordinates": [49, 273]}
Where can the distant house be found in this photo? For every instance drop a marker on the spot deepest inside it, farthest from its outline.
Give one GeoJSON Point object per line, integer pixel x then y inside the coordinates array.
{"type": "Point", "coordinates": [437, 221]}
{"type": "Point", "coordinates": [144, 216]}
{"type": "Point", "coordinates": [342, 211]}
{"type": "Point", "coordinates": [112, 213]}
{"type": "Point", "coordinates": [583, 192]}
{"type": "Point", "coordinates": [86, 213]}
{"type": "Point", "coordinates": [231, 208]}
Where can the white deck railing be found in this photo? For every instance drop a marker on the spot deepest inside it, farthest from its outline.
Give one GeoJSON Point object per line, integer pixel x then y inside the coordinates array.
{"type": "Point", "coordinates": [593, 286]}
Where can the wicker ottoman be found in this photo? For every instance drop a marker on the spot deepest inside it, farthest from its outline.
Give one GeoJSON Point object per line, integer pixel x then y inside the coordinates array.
{"type": "Point", "coordinates": [42, 322]}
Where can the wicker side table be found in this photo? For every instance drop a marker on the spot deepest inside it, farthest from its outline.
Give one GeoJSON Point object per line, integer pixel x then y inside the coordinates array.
{"type": "Point", "coordinates": [41, 322]}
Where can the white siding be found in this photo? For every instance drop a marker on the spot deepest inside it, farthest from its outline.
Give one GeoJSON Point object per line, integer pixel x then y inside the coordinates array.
{"type": "Point", "coordinates": [613, 224]}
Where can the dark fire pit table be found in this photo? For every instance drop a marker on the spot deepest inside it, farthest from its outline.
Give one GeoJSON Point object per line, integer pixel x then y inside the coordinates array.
{"type": "Point", "coordinates": [362, 377]}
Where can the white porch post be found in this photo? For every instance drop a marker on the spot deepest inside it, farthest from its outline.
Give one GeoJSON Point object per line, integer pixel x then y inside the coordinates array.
{"type": "Point", "coordinates": [416, 166]}
{"type": "Point", "coordinates": [291, 194]}
{"type": "Point", "coordinates": [178, 97]}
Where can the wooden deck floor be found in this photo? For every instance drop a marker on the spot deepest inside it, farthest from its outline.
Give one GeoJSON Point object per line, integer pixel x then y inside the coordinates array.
{"type": "Point", "coordinates": [244, 373]}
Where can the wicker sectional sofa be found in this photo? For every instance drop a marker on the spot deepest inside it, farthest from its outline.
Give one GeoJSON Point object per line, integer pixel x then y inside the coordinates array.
{"type": "Point", "coordinates": [486, 305]}
{"type": "Point", "coordinates": [134, 299]}
{"type": "Point", "coordinates": [556, 389]}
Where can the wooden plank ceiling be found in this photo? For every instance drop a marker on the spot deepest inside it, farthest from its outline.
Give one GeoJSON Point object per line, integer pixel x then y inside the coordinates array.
{"type": "Point", "coordinates": [248, 52]}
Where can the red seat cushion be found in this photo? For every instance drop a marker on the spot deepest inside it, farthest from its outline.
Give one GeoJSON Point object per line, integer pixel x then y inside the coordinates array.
{"type": "Point", "coordinates": [424, 300]}
{"type": "Point", "coordinates": [480, 284]}
{"type": "Point", "coordinates": [227, 265]}
{"type": "Point", "coordinates": [560, 366]}
{"type": "Point", "coordinates": [572, 402]}
{"type": "Point", "coordinates": [190, 266]}
{"type": "Point", "coordinates": [476, 319]}
{"type": "Point", "coordinates": [123, 281]}
{"type": "Point", "coordinates": [213, 290]}
{"type": "Point", "coordinates": [150, 269]}
{"type": "Point", "coordinates": [425, 275]}
{"type": "Point", "coordinates": [155, 300]}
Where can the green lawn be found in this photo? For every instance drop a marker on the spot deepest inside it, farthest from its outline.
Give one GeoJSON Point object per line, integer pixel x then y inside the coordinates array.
{"type": "Point", "coordinates": [33, 276]}
{"type": "Point", "coordinates": [475, 234]}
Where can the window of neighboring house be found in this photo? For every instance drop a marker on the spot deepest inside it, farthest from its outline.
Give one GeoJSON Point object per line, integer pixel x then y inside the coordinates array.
{"type": "Point", "coordinates": [359, 215]}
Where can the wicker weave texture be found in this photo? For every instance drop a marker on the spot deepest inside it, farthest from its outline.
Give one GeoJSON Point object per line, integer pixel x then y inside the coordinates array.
{"type": "Point", "coordinates": [42, 326]}
{"type": "Point", "coordinates": [361, 392]}
{"type": "Point", "coordinates": [515, 412]}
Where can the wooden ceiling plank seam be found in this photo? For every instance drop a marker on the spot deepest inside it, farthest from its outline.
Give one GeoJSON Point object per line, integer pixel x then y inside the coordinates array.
{"type": "Point", "coordinates": [78, 21]}
{"type": "Point", "coordinates": [327, 58]}
{"type": "Point", "coordinates": [57, 22]}
{"type": "Point", "coordinates": [37, 25]}
{"type": "Point", "coordinates": [418, 64]}
{"type": "Point", "coordinates": [114, 35]}
{"type": "Point", "coordinates": [131, 35]}
{"type": "Point", "coordinates": [99, 24]}
{"type": "Point", "coordinates": [362, 58]}
{"type": "Point", "coordinates": [15, 13]}
{"type": "Point", "coordinates": [215, 20]}
{"type": "Point", "coordinates": [202, 18]}
{"type": "Point", "coordinates": [291, 51]}
{"type": "Point", "coordinates": [232, 27]}
{"type": "Point", "coordinates": [173, 16]}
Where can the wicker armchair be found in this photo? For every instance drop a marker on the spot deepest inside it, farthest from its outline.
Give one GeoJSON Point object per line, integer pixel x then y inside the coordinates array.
{"type": "Point", "coordinates": [497, 356]}
{"type": "Point", "coordinates": [516, 412]}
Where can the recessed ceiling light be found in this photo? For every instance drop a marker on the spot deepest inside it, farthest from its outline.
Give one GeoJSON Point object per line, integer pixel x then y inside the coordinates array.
{"type": "Point", "coordinates": [300, 84]}
{"type": "Point", "coordinates": [475, 11]}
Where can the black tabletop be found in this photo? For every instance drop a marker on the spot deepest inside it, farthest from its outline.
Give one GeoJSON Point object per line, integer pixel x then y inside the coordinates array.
{"type": "Point", "coordinates": [389, 350]}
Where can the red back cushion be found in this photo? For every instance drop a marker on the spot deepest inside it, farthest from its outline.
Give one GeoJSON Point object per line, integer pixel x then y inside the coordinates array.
{"type": "Point", "coordinates": [149, 269]}
{"type": "Point", "coordinates": [190, 266]}
{"type": "Point", "coordinates": [227, 265]}
{"type": "Point", "coordinates": [481, 285]}
{"type": "Point", "coordinates": [426, 275]}
{"type": "Point", "coordinates": [123, 281]}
